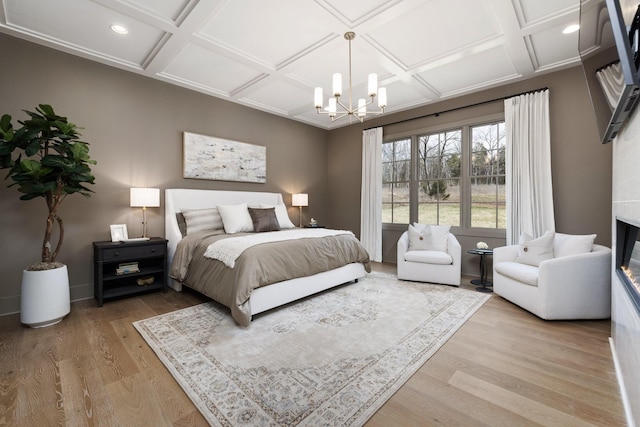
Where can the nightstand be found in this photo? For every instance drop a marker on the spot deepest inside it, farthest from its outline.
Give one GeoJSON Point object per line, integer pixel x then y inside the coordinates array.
{"type": "Point", "coordinates": [126, 268]}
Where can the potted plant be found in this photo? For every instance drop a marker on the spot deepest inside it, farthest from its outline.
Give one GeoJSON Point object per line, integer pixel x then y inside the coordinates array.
{"type": "Point", "coordinates": [45, 159]}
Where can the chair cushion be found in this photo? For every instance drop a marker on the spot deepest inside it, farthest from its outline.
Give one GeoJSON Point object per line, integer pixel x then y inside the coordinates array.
{"type": "Point", "coordinates": [533, 251]}
{"type": "Point", "coordinates": [428, 257]}
{"type": "Point", "coordinates": [571, 244]}
{"type": "Point", "coordinates": [527, 274]}
{"type": "Point", "coordinates": [428, 237]}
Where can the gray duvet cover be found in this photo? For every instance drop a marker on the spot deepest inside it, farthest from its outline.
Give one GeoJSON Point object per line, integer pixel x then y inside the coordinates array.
{"type": "Point", "coordinates": [260, 265]}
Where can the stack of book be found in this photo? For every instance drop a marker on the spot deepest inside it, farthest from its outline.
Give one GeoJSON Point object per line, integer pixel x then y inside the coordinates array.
{"type": "Point", "coordinates": [128, 267]}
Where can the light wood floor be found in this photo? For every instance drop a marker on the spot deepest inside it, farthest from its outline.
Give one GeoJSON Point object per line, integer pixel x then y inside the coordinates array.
{"type": "Point", "coordinates": [504, 367]}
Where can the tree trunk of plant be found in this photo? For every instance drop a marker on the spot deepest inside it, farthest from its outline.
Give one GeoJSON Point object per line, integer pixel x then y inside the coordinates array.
{"type": "Point", "coordinates": [53, 203]}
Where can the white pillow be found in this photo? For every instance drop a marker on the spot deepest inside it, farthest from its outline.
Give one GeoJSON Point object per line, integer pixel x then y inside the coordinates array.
{"type": "Point", "coordinates": [235, 218]}
{"type": "Point", "coordinates": [533, 251]}
{"type": "Point", "coordinates": [417, 238]}
{"type": "Point", "coordinates": [281, 215]}
{"type": "Point", "coordinates": [428, 237]}
{"type": "Point", "coordinates": [201, 220]}
{"type": "Point", "coordinates": [572, 244]}
{"type": "Point", "coordinates": [419, 226]}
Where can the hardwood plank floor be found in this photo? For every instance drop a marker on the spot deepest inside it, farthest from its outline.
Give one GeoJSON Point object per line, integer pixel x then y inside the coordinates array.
{"type": "Point", "coordinates": [504, 367]}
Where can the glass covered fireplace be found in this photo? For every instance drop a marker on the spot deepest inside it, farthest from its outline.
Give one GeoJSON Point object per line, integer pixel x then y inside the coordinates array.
{"type": "Point", "coordinates": [628, 257]}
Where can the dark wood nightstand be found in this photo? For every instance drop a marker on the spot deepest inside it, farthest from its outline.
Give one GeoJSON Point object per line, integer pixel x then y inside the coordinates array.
{"type": "Point", "coordinates": [150, 257]}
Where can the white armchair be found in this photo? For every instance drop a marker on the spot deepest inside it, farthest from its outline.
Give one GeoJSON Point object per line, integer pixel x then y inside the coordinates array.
{"type": "Point", "coordinates": [430, 266]}
{"type": "Point", "coordinates": [568, 287]}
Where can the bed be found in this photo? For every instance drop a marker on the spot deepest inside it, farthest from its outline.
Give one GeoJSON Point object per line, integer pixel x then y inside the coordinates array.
{"type": "Point", "coordinates": [207, 275]}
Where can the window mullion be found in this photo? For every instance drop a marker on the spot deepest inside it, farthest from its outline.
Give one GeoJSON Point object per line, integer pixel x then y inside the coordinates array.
{"type": "Point", "coordinates": [413, 183]}
{"type": "Point", "coordinates": [465, 185]}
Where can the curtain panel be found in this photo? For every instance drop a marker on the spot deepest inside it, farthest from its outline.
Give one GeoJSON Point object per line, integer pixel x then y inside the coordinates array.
{"type": "Point", "coordinates": [371, 194]}
{"type": "Point", "coordinates": [612, 81]}
{"type": "Point", "coordinates": [528, 171]}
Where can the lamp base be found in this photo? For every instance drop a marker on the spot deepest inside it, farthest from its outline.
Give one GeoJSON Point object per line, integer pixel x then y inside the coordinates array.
{"type": "Point", "coordinates": [300, 216]}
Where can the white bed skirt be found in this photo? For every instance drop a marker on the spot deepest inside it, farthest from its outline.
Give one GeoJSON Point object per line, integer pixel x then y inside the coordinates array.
{"type": "Point", "coordinates": [268, 297]}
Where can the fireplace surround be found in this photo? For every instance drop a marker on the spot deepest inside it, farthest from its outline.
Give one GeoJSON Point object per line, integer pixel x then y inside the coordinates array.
{"type": "Point", "coordinates": [628, 257]}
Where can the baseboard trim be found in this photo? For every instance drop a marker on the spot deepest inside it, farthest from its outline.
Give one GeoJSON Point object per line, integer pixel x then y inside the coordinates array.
{"type": "Point", "coordinates": [11, 305]}
{"type": "Point", "coordinates": [623, 389]}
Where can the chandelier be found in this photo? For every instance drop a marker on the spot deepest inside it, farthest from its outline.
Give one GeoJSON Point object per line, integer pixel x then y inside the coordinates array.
{"type": "Point", "coordinates": [350, 110]}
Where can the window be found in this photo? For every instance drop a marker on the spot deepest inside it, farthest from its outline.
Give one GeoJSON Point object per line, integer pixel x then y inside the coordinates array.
{"type": "Point", "coordinates": [439, 178]}
{"type": "Point", "coordinates": [488, 200]}
{"type": "Point", "coordinates": [396, 173]}
{"type": "Point", "coordinates": [451, 176]}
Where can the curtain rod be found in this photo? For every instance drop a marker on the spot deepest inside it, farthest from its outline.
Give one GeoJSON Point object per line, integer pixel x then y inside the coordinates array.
{"type": "Point", "coordinates": [462, 108]}
{"type": "Point", "coordinates": [615, 61]}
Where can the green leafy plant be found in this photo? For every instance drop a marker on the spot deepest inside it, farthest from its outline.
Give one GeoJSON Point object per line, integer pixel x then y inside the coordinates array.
{"type": "Point", "coordinates": [46, 159]}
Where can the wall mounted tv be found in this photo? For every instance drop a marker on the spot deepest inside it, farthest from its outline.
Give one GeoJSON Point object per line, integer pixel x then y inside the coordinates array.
{"type": "Point", "coordinates": [609, 47]}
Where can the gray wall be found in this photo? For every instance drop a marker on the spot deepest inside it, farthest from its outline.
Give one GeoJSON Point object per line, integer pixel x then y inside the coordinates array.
{"type": "Point", "coordinates": [581, 166]}
{"type": "Point", "coordinates": [134, 125]}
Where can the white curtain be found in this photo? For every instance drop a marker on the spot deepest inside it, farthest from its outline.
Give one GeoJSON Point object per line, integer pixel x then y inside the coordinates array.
{"type": "Point", "coordinates": [528, 157]}
{"type": "Point", "coordinates": [371, 197]}
{"type": "Point", "coordinates": [612, 82]}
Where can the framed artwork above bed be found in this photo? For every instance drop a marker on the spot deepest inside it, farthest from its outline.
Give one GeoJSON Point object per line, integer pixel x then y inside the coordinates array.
{"type": "Point", "coordinates": [208, 157]}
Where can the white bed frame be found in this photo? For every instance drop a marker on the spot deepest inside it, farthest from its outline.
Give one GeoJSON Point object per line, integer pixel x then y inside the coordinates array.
{"type": "Point", "coordinates": [266, 297]}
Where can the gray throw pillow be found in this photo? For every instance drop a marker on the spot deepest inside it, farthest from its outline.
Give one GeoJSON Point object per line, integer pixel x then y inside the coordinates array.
{"type": "Point", "coordinates": [264, 219]}
{"type": "Point", "coordinates": [182, 223]}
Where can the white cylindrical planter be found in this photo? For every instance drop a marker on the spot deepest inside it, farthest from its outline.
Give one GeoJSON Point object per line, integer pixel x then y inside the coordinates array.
{"type": "Point", "coordinates": [45, 298]}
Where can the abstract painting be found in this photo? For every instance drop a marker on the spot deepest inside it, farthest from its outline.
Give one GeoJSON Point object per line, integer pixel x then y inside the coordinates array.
{"type": "Point", "coordinates": [208, 157]}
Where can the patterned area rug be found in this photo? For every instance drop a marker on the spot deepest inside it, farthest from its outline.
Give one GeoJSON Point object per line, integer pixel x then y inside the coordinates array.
{"type": "Point", "coordinates": [332, 359]}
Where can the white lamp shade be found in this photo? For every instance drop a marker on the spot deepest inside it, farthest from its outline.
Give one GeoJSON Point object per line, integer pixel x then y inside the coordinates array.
{"type": "Point", "coordinates": [332, 107]}
{"type": "Point", "coordinates": [300, 199]}
{"type": "Point", "coordinates": [145, 197]}
{"type": "Point", "coordinates": [317, 98]}
{"type": "Point", "coordinates": [337, 84]}
{"type": "Point", "coordinates": [382, 97]}
{"type": "Point", "coordinates": [362, 107]}
{"type": "Point", "coordinates": [373, 84]}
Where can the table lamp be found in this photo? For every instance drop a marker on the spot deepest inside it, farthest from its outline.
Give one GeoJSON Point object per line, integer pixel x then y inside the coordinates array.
{"type": "Point", "coordinates": [145, 198]}
{"type": "Point", "coordinates": [300, 199]}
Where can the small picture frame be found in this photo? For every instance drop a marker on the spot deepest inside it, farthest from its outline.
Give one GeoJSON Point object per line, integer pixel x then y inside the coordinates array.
{"type": "Point", "coordinates": [119, 232]}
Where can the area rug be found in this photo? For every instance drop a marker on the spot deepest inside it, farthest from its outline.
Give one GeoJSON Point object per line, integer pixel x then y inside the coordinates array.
{"type": "Point", "coordinates": [332, 359]}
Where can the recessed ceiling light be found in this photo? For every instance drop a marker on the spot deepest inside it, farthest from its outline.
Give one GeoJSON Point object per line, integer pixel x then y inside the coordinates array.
{"type": "Point", "coordinates": [119, 29]}
{"type": "Point", "coordinates": [571, 29]}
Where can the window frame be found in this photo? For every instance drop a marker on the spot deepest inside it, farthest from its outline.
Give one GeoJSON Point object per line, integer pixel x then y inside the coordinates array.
{"type": "Point", "coordinates": [464, 229]}
{"type": "Point", "coordinates": [394, 182]}
{"type": "Point", "coordinates": [440, 204]}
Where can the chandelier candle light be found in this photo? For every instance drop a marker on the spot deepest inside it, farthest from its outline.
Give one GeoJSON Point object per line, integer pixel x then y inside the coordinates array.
{"type": "Point", "coordinates": [360, 112]}
{"type": "Point", "coordinates": [144, 198]}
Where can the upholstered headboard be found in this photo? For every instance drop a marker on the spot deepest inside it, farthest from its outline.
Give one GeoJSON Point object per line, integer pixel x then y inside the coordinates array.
{"type": "Point", "coordinates": [180, 199]}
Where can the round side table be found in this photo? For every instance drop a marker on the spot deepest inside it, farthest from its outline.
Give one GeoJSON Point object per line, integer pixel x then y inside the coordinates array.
{"type": "Point", "coordinates": [483, 282]}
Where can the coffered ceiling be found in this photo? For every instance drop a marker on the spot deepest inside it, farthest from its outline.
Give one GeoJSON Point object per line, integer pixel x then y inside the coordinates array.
{"type": "Point", "coordinates": [270, 55]}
